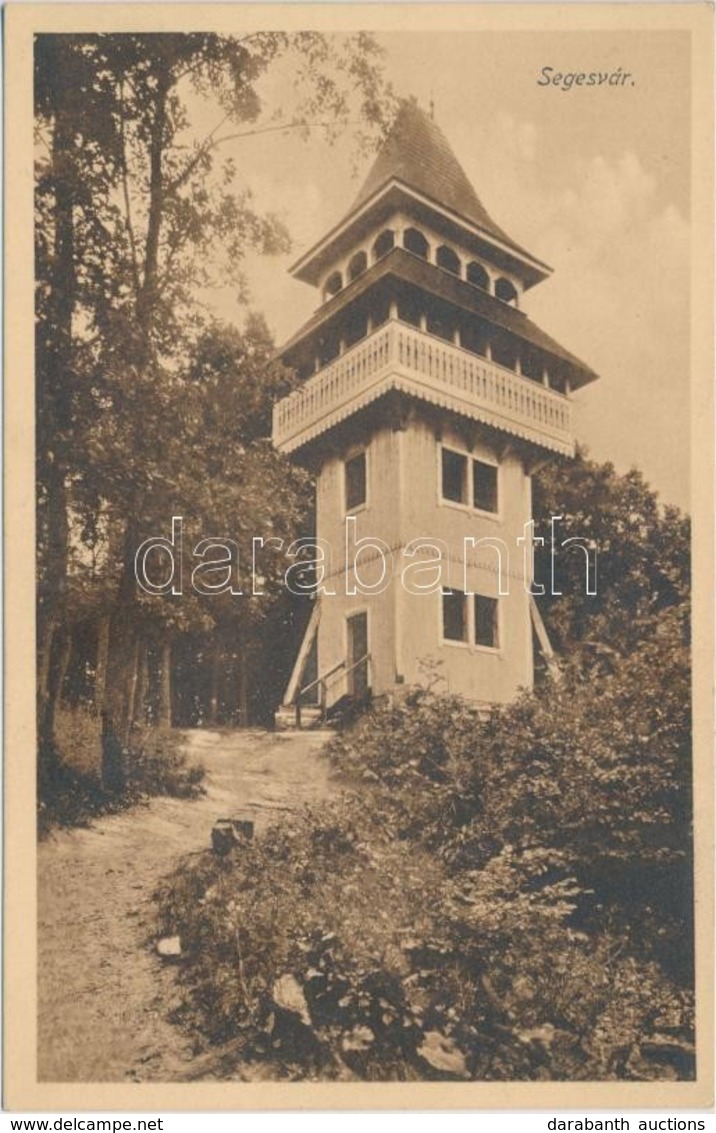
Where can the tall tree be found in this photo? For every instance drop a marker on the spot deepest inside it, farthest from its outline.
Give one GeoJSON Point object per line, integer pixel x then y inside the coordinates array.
{"type": "Point", "coordinates": [135, 218]}
{"type": "Point", "coordinates": [641, 549]}
{"type": "Point", "coordinates": [73, 107]}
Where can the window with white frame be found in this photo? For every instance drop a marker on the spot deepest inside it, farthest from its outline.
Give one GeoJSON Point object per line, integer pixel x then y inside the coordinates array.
{"type": "Point", "coordinates": [469, 481]}
{"type": "Point", "coordinates": [470, 619]}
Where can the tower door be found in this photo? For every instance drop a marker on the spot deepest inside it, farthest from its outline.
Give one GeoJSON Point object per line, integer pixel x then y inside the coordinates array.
{"type": "Point", "coordinates": [357, 660]}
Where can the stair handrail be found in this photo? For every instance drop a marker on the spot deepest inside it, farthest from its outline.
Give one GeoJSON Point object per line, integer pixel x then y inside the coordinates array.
{"type": "Point", "coordinates": [322, 682]}
{"type": "Point", "coordinates": [365, 657]}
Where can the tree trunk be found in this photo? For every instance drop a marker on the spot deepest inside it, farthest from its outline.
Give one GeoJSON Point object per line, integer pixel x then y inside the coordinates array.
{"type": "Point", "coordinates": [100, 673]}
{"type": "Point", "coordinates": [43, 665]}
{"type": "Point", "coordinates": [122, 639]}
{"type": "Point", "coordinates": [54, 418]}
{"type": "Point", "coordinates": [213, 715]}
{"type": "Point", "coordinates": [48, 756]}
{"type": "Point", "coordinates": [165, 686]}
{"type": "Point", "coordinates": [243, 688]}
{"type": "Point", "coordinates": [138, 708]}
{"type": "Point", "coordinates": [133, 684]}
{"type": "Point", "coordinates": [119, 666]}
{"type": "Point", "coordinates": [147, 297]}
{"type": "Point", "coordinates": [63, 666]}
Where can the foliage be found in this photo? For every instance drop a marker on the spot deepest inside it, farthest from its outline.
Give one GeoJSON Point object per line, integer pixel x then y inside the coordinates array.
{"type": "Point", "coordinates": [162, 211]}
{"type": "Point", "coordinates": [401, 969]}
{"type": "Point", "coordinates": [612, 805]}
{"type": "Point", "coordinates": [642, 550]}
{"type": "Point", "coordinates": [145, 408]}
{"type": "Point", "coordinates": [299, 901]}
{"type": "Point", "coordinates": [157, 766]}
{"type": "Point", "coordinates": [154, 765]}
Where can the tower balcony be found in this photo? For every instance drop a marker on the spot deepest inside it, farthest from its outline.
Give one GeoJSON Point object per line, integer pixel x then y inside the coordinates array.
{"type": "Point", "coordinates": [399, 357]}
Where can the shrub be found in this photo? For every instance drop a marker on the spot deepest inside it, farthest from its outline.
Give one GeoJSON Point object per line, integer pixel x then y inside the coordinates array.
{"type": "Point", "coordinates": [327, 900]}
{"type": "Point", "coordinates": [595, 772]}
{"type": "Point", "coordinates": [157, 766]}
{"type": "Point", "coordinates": [154, 765]}
{"type": "Point", "coordinates": [332, 948]}
{"type": "Point", "coordinates": [77, 734]}
{"type": "Point", "coordinates": [422, 748]}
{"type": "Point", "coordinates": [486, 900]}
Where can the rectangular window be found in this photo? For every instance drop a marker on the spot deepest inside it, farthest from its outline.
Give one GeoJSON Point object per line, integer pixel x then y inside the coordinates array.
{"type": "Point", "coordinates": [484, 486]}
{"type": "Point", "coordinates": [454, 476]}
{"type": "Point", "coordinates": [454, 616]}
{"type": "Point", "coordinates": [486, 622]}
{"type": "Point", "coordinates": [356, 482]}
{"type": "Point", "coordinates": [468, 481]}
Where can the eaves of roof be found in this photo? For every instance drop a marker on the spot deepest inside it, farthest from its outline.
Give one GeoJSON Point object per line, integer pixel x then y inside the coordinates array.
{"type": "Point", "coordinates": [434, 281]}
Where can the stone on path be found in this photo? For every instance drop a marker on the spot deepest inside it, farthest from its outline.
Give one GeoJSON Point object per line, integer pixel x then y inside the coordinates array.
{"type": "Point", "coordinates": [169, 947]}
{"type": "Point", "coordinates": [230, 832]}
{"type": "Point", "coordinates": [287, 994]}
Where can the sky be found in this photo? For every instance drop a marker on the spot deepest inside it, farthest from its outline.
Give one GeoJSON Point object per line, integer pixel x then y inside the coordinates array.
{"type": "Point", "coordinates": [593, 180]}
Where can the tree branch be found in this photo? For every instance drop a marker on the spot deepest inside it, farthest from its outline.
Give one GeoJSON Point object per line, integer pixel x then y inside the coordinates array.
{"type": "Point", "coordinates": [205, 147]}
{"type": "Point", "coordinates": [212, 143]}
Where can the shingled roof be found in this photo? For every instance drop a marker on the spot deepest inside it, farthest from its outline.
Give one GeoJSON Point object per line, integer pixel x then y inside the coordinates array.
{"type": "Point", "coordinates": [417, 153]}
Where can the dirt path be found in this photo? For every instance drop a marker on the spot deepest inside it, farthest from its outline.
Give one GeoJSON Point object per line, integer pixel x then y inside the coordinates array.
{"type": "Point", "coordinates": [103, 994]}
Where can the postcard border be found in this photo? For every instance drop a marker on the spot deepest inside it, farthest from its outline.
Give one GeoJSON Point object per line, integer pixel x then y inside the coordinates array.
{"type": "Point", "coordinates": [21, 1089]}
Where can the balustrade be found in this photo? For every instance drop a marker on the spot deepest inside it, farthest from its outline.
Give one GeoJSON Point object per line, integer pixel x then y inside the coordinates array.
{"type": "Point", "coordinates": [398, 355]}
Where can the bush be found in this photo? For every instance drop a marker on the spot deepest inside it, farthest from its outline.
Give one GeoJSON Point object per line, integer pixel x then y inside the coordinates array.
{"type": "Point", "coordinates": [487, 900]}
{"type": "Point", "coordinates": [327, 900]}
{"type": "Point", "coordinates": [421, 748]}
{"type": "Point", "coordinates": [154, 765]}
{"type": "Point", "coordinates": [595, 771]}
{"type": "Point", "coordinates": [330, 947]}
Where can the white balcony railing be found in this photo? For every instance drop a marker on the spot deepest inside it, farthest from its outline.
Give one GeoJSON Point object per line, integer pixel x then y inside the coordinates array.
{"type": "Point", "coordinates": [396, 356]}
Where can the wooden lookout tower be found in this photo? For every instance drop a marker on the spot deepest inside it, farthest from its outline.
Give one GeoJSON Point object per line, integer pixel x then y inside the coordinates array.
{"type": "Point", "coordinates": [427, 401]}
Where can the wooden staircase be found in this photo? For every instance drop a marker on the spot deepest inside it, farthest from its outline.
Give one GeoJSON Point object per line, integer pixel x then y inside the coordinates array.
{"type": "Point", "coordinates": [288, 719]}
{"type": "Point", "coordinates": [297, 714]}
{"type": "Point", "coordinates": [297, 711]}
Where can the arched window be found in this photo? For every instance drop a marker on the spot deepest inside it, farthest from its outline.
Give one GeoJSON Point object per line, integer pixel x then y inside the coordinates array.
{"type": "Point", "coordinates": [505, 290]}
{"type": "Point", "coordinates": [448, 260]}
{"type": "Point", "coordinates": [477, 276]}
{"type": "Point", "coordinates": [334, 284]}
{"type": "Point", "coordinates": [357, 265]}
{"type": "Point", "coordinates": [415, 242]}
{"type": "Point", "coordinates": [383, 244]}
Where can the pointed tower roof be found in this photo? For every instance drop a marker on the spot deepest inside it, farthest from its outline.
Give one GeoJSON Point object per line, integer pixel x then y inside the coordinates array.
{"type": "Point", "coordinates": [416, 169]}
{"type": "Point", "coordinates": [417, 153]}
